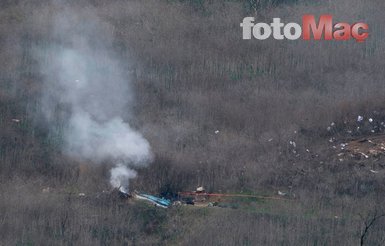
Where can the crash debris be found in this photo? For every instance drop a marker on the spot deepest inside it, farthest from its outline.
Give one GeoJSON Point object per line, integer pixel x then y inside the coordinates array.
{"type": "Point", "coordinates": [372, 146]}
{"type": "Point", "coordinates": [157, 201]}
{"type": "Point", "coordinates": [197, 198]}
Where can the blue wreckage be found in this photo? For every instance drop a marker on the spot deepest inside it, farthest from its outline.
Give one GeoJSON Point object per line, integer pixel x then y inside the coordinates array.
{"type": "Point", "coordinates": [157, 201]}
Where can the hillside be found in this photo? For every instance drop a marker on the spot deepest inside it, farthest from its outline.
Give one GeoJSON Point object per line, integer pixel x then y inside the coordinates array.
{"type": "Point", "coordinates": [168, 95]}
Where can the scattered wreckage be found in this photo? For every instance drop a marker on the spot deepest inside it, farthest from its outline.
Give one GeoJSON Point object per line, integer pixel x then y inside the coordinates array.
{"type": "Point", "coordinates": [364, 138]}
{"type": "Point", "coordinates": [157, 201]}
{"type": "Point", "coordinates": [197, 198]}
{"type": "Point", "coordinates": [371, 146]}
{"type": "Point", "coordinates": [366, 147]}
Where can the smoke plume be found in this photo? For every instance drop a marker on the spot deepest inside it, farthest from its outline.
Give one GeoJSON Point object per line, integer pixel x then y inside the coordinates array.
{"type": "Point", "coordinates": [87, 95]}
{"type": "Point", "coordinates": [120, 176]}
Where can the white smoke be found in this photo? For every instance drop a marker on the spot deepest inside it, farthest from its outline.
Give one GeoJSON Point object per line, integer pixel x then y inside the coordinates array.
{"type": "Point", "coordinates": [87, 94]}
{"type": "Point", "coordinates": [120, 176]}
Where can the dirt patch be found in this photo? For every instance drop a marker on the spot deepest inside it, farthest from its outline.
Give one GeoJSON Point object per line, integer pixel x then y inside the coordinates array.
{"type": "Point", "coordinates": [367, 147]}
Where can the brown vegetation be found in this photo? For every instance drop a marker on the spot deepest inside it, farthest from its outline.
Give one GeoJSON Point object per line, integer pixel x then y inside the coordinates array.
{"type": "Point", "coordinates": [194, 75]}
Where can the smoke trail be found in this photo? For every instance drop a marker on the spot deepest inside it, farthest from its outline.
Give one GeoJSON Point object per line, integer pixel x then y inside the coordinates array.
{"type": "Point", "coordinates": [86, 94]}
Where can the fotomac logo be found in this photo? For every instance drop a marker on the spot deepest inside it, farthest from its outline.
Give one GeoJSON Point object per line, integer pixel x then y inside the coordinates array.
{"type": "Point", "coordinates": [310, 29]}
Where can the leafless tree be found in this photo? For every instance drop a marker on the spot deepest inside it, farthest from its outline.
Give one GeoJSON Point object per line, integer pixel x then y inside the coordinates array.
{"type": "Point", "coordinates": [369, 223]}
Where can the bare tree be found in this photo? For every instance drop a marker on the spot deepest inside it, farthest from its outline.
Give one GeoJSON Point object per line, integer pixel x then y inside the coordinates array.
{"type": "Point", "coordinates": [369, 221]}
